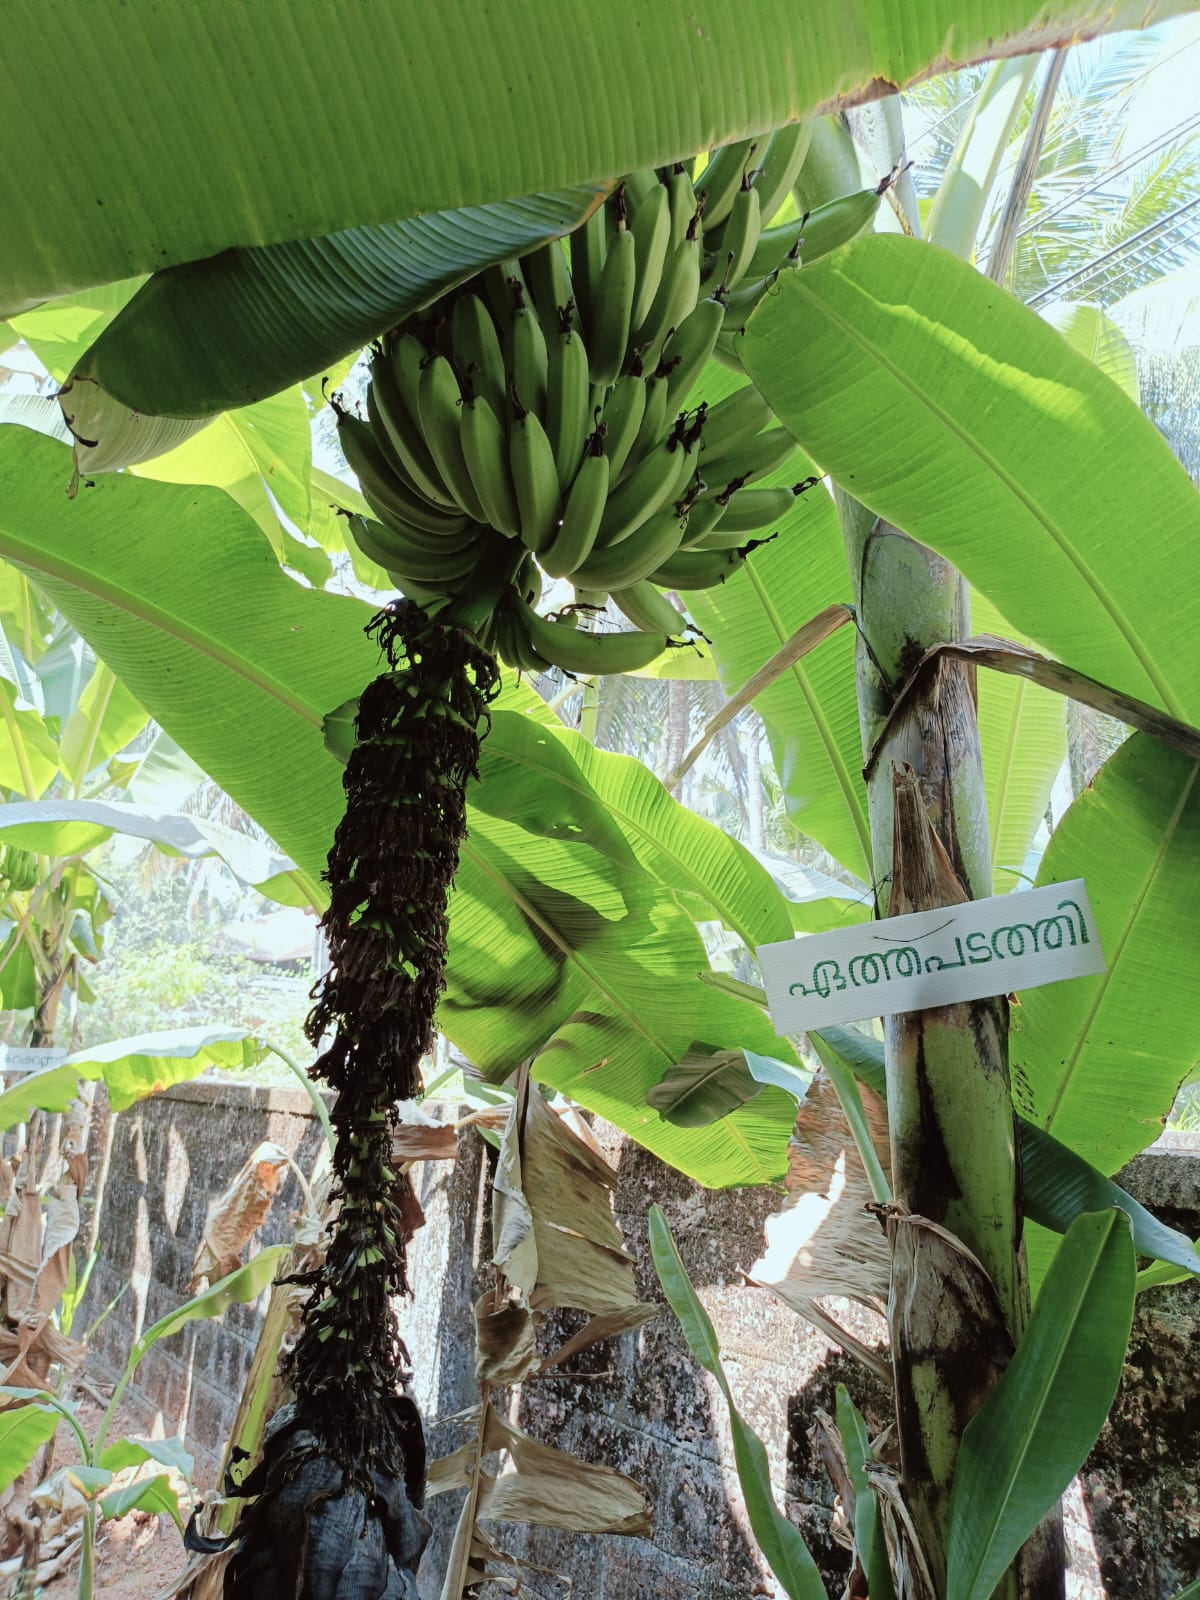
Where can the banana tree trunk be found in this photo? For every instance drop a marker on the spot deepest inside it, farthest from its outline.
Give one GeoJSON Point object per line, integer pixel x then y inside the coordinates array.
{"type": "Point", "coordinates": [949, 1099]}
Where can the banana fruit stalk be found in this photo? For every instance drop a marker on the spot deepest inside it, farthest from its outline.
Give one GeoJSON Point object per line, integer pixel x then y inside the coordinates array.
{"type": "Point", "coordinates": [553, 407]}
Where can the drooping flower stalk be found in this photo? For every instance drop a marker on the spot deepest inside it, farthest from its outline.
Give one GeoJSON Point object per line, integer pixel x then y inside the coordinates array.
{"type": "Point", "coordinates": [343, 1466]}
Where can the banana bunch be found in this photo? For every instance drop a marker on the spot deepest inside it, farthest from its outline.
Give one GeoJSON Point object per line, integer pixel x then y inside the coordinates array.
{"type": "Point", "coordinates": [544, 418]}
{"type": "Point", "coordinates": [18, 868]}
{"type": "Point", "coordinates": [752, 229]}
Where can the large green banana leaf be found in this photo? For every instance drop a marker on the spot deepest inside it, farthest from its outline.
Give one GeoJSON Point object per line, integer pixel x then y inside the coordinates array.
{"type": "Point", "coordinates": [224, 333]}
{"type": "Point", "coordinates": [154, 135]}
{"type": "Point", "coordinates": [1099, 1061]}
{"type": "Point", "coordinates": [944, 405]}
{"type": "Point", "coordinates": [566, 914]}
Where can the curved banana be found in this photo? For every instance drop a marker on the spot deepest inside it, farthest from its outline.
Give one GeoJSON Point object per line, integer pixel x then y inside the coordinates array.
{"type": "Point", "coordinates": [591, 654]}
{"type": "Point", "coordinates": [477, 352]}
{"type": "Point", "coordinates": [589, 250]}
{"type": "Point", "coordinates": [689, 348]}
{"type": "Point", "coordinates": [380, 485]}
{"type": "Point", "coordinates": [608, 336]}
{"type": "Point", "coordinates": [485, 450]}
{"type": "Point", "coordinates": [535, 479]}
{"type": "Point", "coordinates": [513, 642]}
{"type": "Point", "coordinates": [676, 298]}
{"type": "Point", "coordinates": [838, 221]}
{"type": "Point", "coordinates": [734, 420]}
{"type": "Point", "coordinates": [700, 569]}
{"type": "Point", "coordinates": [567, 402]}
{"type": "Point", "coordinates": [581, 515]}
{"type": "Point", "coordinates": [739, 237]}
{"type": "Point", "coordinates": [754, 458]}
{"type": "Point", "coordinates": [549, 279]}
{"type": "Point", "coordinates": [624, 564]}
{"type": "Point", "coordinates": [682, 199]}
{"type": "Point", "coordinates": [401, 423]}
{"type": "Point", "coordinates": [780, 166]}
{"type": "Point", "coordinates": [622, 419]}
{"type": "Point", "coordinates": [388, 549]}
{"type": "Point", "coordinates": [747, 510]}
{"type": "Point", "coordinates": [718, 185]}
{"type": "Point", "coordinates": [500, 284]}
{"type": "Point", "coordinates": [654, 419]}
{"type": "Point", "coordinates": [773, 248]}
{"type": "Point", "coordinates": [651, 231]}
{"type": "Point", "coordinates": [653, 483]}
{"type": "Point", "coordinates": [530, 358]}
{"type": "Point", "coordinates": [648, 608]}
{"type": "Point", "coordinates": [703, 518]}
{"type": "Point", "coordinates": [439, 402]}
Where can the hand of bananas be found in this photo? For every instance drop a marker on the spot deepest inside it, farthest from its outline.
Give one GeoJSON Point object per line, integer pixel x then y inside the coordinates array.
{"type": "Point", "coordinates": [543, 414]}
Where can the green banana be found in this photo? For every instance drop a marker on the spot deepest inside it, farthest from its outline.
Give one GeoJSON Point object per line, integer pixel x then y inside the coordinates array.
{"type": "Point", "coordinates": [838, 221]}
{"type": "Point", "coordinates": [676, 298]}
{"type": "Point", "coordinates": [734, 420]}
{"type": "Point", "coordinates": [500, 284]}
{"type": "Point", "coordinates": [773, 247]}
{"type": "Point", "coordinates": [513, 641]}
{"type": "Point", "coordinates": [703, 517]}
{"type": "Point", "coordinates": [654, 418]}
{"type": "Point", "coordinates": [530, 357]}
{"type": "Point", "coordinates": [589, 250]}
{"type": "Point", "coordinates": [739, 237]}
{"type": "Point", "coordinates": [622, 565]}
{"type": "Point", "coordinates": [780, 166]}
{"type": "Point", "coordinates": [621, 419]}
{"type": "Point", "coordinates": [439, 402]}
{"type": "Point", "coordinates": [400, 422]}
{"type": "Point", "coordinates": [700, 569]}
{"type": "Point", "coordinates": [754, 458]}
{"type": "Point", "coordinates": [682, 201]}
{"type": "Point", "coordinates": [652, 484]}
{"type": "Point", "coordinates": [639, 185]}
{"type": "Point", "coordinates": [651, 231]}
{"type": "Point", "coordinates": [477, 352]}
{"type": "Point", "coordinates": [718, 185]}
{"type": "Point", "coordinates": [380, 485]}
{"type": "Point", "coordinates": [648, 608]}
{"type": "Point", "coordinates": [535, 479]}
{"type": "Point", "coordinates": [388, 549]}
{"type": "Point", "coordinates": [581, 515]}
{"type": "Point", "coordinates": [831, 165]}
{"type": "Point", "coordinates": [528, 581]}
{"type": "Point", "coordinates": [689, 348]}
{"type": "Point", "coordinates": [485, 450]}
{"type": "Point", "coordinates": [20, 868]}
{"type": "Point", "coordinates": [567, 402]}
{"type": "Point", "coordinates": [608, 335]}
{"type": "Point", "coordinates": [592, 654]}
{"type": "Point", "coordinates": [747, 510]}
{"type": "Point", "coordinates": [549, 279]}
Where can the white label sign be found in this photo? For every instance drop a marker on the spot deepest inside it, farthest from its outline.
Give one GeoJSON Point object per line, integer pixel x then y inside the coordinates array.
{"type": "Point", "coordinates": [932, 958]}
{"type": "Point", "coordinates": [30, 1060]}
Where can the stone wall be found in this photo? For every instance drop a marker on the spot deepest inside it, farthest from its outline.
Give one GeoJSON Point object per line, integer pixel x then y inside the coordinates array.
{"type": "Point", "coordinates": [639, 1403]}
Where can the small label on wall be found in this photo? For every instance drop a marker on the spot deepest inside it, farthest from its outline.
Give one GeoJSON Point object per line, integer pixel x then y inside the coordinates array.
{"type": "Point", "coordinates": [30, 1060]}
{"type": "Point", "coordinates": [932, 958]}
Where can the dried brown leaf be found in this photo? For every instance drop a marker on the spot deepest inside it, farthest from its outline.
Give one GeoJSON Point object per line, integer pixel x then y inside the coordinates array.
{"type": "Point", "coordinates": [608, 1326]}
{"type": "Point", "coordinates": [505, 1347]}
{"type": "Point", "coordinates": [419, 1137]}
{"type": "Point", "coordinates": [235, 1216]}
{"type": "Point", "coordinates": [556, 1239]}
{"type": "Point", "coordinates": [556, 1490]}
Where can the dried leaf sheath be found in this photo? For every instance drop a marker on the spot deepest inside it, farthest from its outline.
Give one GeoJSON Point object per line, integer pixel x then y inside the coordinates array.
{"type": "Point", "coordinates": [394, 857]}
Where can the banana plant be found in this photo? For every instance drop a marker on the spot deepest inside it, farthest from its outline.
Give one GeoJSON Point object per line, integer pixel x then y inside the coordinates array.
{"type": "Point", "coordinates": [417, 725]}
